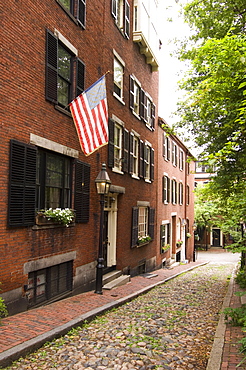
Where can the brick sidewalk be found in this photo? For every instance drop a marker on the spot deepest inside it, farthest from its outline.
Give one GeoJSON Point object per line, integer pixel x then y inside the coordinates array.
{"type": "Point", "coordinates": [231, 352]}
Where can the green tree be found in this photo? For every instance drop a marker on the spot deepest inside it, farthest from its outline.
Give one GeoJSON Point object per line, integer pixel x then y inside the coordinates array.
{"type": "Point", "coordinates": [214, 111]}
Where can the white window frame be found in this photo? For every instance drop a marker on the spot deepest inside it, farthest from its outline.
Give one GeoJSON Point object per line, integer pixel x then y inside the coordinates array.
{"type": "Point", "coordinates": [117, 147]}
{"type": "Point", "coordinates": [135, 155]}
{"type": "Point", "coordinates": [174, 154]}
{"type": "Point", "coordinates": [181, 160]}
{"type": "Point", "coordinates": [181, 193]}
{"type": "Point", "coordinates": [143, 219]}
{"type": "Point", "coordinates": [147, 162]}
{"type": "Point", "coordinates": [119, 66]}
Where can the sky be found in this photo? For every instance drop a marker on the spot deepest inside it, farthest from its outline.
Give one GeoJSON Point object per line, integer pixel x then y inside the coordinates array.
{"type": "Point", "coordinates": [171, 69]}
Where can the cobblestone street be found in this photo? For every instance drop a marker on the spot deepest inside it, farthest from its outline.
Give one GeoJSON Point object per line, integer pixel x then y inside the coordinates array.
{"type": "Point", "coordinates": [171, 327]}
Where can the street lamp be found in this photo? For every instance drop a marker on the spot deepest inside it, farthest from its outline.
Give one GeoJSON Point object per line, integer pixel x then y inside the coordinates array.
{"type": "Point", "coordinates": [102, 184]}
{"type": "Point", "coordinates": [194, 227]}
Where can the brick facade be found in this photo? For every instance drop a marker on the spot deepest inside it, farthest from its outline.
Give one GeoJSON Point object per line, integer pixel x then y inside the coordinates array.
{"type": "Point", "coordinates": [29, 118]}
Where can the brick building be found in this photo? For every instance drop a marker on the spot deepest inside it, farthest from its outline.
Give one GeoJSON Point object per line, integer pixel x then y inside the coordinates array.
{"type": "Point", "coordinates": [175, 216]}
{"type": "Point", "coordinates": [51, 53]}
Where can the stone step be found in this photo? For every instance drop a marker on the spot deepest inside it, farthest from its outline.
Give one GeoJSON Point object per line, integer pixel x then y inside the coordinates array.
{"type": "Point", "coordinates": [111, 276]}
{"type": "Point", "coordinates": [121, 280]}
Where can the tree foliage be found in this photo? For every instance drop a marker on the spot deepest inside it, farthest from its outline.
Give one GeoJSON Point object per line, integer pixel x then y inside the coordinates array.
{"type": "Point", "coordinates": [214, 111]}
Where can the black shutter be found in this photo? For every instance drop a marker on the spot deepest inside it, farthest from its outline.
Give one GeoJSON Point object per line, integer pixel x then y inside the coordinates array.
{"type": "Point", "coordinates": [126, 150]}
{"type": "Point", "coordinates": [168, 143]}
{"type": "Point", "coordinates": [145, 157]}
{"type": "Point", "coordinates": [152, 152]}
{"type": "Point", "coordinates": [162, 237]}
{"type": "Point", "coordinates": [127, 19]}
{"type": "Point", "coordinates": [141, 159]}
{"type": "Point", "coordinates": [51, 67]}
{"type": "Point", "coordinates": [134, 238]}
{"type": "Point", "coordinates": [151, 226]}
{"type": "Point", "coordinates": [153, 115]}
{"type": "Point", "coordinates": [81, 12]}
{"type": "Point", "coordinates": [168, 189]}
{"type": "Point", "coordinates": [163, 189]}
{"type": "Point", "coordinates": [163, 145]}
{"type": "Point", "coordinates": [111, 143]}
{"type": "Point", "coordinates": [131, 153]}
{"type": "Point", "coordinates": [131, 92]}
{"type": "Point", "coordinates": [80, 77]}
{"type": "Point", "coordinates": [82, 192]}
{"type": "Point", "coordinates": [22, 184]}
{"type": "Point", "coordinates": [143, 111]}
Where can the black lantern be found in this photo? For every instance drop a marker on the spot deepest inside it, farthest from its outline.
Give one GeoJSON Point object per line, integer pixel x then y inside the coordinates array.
{"type": "Point", "coordinates": [102, 184]}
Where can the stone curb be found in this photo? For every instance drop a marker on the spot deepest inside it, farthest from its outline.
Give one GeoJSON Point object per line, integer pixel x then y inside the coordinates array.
{"type": "Point", "coordinates": [12, 354]}
{"type": "Point", "coordinates": [214, 362]}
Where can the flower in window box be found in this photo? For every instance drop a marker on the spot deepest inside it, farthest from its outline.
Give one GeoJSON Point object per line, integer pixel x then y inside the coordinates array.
{"type": "Point", "coordinates": [144, 239]}
{"type": "Point", "coordinates": [165, 248]}
{"type": "Point", "coordinates": [179, 243]}
{"type": "Point", "coordinates": [64, 216]}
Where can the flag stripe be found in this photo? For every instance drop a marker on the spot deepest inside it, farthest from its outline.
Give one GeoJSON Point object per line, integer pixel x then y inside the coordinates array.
{"type": "Point", "coordinates": [91, 117]}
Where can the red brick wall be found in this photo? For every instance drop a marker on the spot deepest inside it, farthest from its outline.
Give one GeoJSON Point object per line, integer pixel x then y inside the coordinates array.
{"type": "Point", "coordinates": [24, 110]}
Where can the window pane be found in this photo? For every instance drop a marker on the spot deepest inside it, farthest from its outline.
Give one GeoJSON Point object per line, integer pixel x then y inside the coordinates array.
{"type": "Point", "coordinates": [64, 63]}
{"type": "Point", "coordinates": [118, 78]}
{"type": "Point", "coordinates": [66, 4]}
{"type": "Point", "coordinates": [63, 92]}
{"type": "Point", "coordinates": [64, 75]}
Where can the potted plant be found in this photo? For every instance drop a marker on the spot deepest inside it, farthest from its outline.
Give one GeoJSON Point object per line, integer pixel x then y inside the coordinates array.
{"type": "Point", "coordinates": [55, 216]}
{"type": "Point", "coordinates": [188, 235]}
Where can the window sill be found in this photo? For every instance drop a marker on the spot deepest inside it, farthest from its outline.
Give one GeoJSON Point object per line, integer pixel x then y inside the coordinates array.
{"type": "Point", "coordinates": [136, 177]}
{"type": "Point", "coordinates": [62, 110]}
{"type": "Point", "coordinates": [119, 98]}
{"type": "Point", "coordinates": [116, 170]}
{"type": "Point", "coordinates": [142, 244]}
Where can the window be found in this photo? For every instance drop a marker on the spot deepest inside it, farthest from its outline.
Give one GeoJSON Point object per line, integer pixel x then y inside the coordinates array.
{"type": "Point", "coordinates": [181, 193]}
{"type": "Point", "coordinates": [181, 160]}
{"type": "Point", "coordinates": [146, 161]}
{"type": "Point", "coordinates": [174, 154]}
{"type": "Point", "coordinates": [76, 8]}
{"type": "Point", "coordinates": [134, 154]}
{"type": "Point", "coordinates": [174, 191]}
{"type": "Point", "coordinates": [118, 78]}
{"type": "Point", "coordinates": [53, 180]}
{"type": "Point", "coordinates": [164, 237]}
{"type": "Point", "coordinates": [166, 189]}
{"type": "Point", "coordinates": [48, 283]}
{"type": "Point", "coordinates": [62, 65]}
{"type": "Point", "coordinates": [41, 179]}
{"type": "Point", "coordinates": [121, 14]}
{"type": "Point", "coordinates": [141, 104]}
{"type": "Point", "coordinates": [142, 223]}
{"type": "Point", "coordinates": [166, 147]}
{"type": "Point", "coordinates": [187, 195]}
{"type": "Point", "coordinates": [118, 147]}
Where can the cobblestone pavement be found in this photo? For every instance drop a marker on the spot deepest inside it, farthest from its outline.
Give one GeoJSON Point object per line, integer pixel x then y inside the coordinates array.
{"type": "Point", "coordinates": [171, 327]}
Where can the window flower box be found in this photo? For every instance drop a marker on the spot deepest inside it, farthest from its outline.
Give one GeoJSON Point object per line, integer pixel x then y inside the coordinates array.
{"type": "Point", "coordinates": [57, 216]}
{"type": "Point", "coordinates": [143, 240]}
{"type": "Point", "coordinates": [179, 243]}
{"type": "Point", "coordinates": [165, 248]}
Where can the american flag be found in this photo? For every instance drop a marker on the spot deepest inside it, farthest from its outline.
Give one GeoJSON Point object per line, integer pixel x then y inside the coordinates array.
{"type": "Point", "coordinates": [90, 116]}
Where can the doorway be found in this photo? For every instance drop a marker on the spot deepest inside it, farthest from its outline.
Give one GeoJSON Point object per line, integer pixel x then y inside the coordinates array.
{"type": "Point", "coordinates": [216, 238]}
{"type": "Point", "coordinates": [110, 230]}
